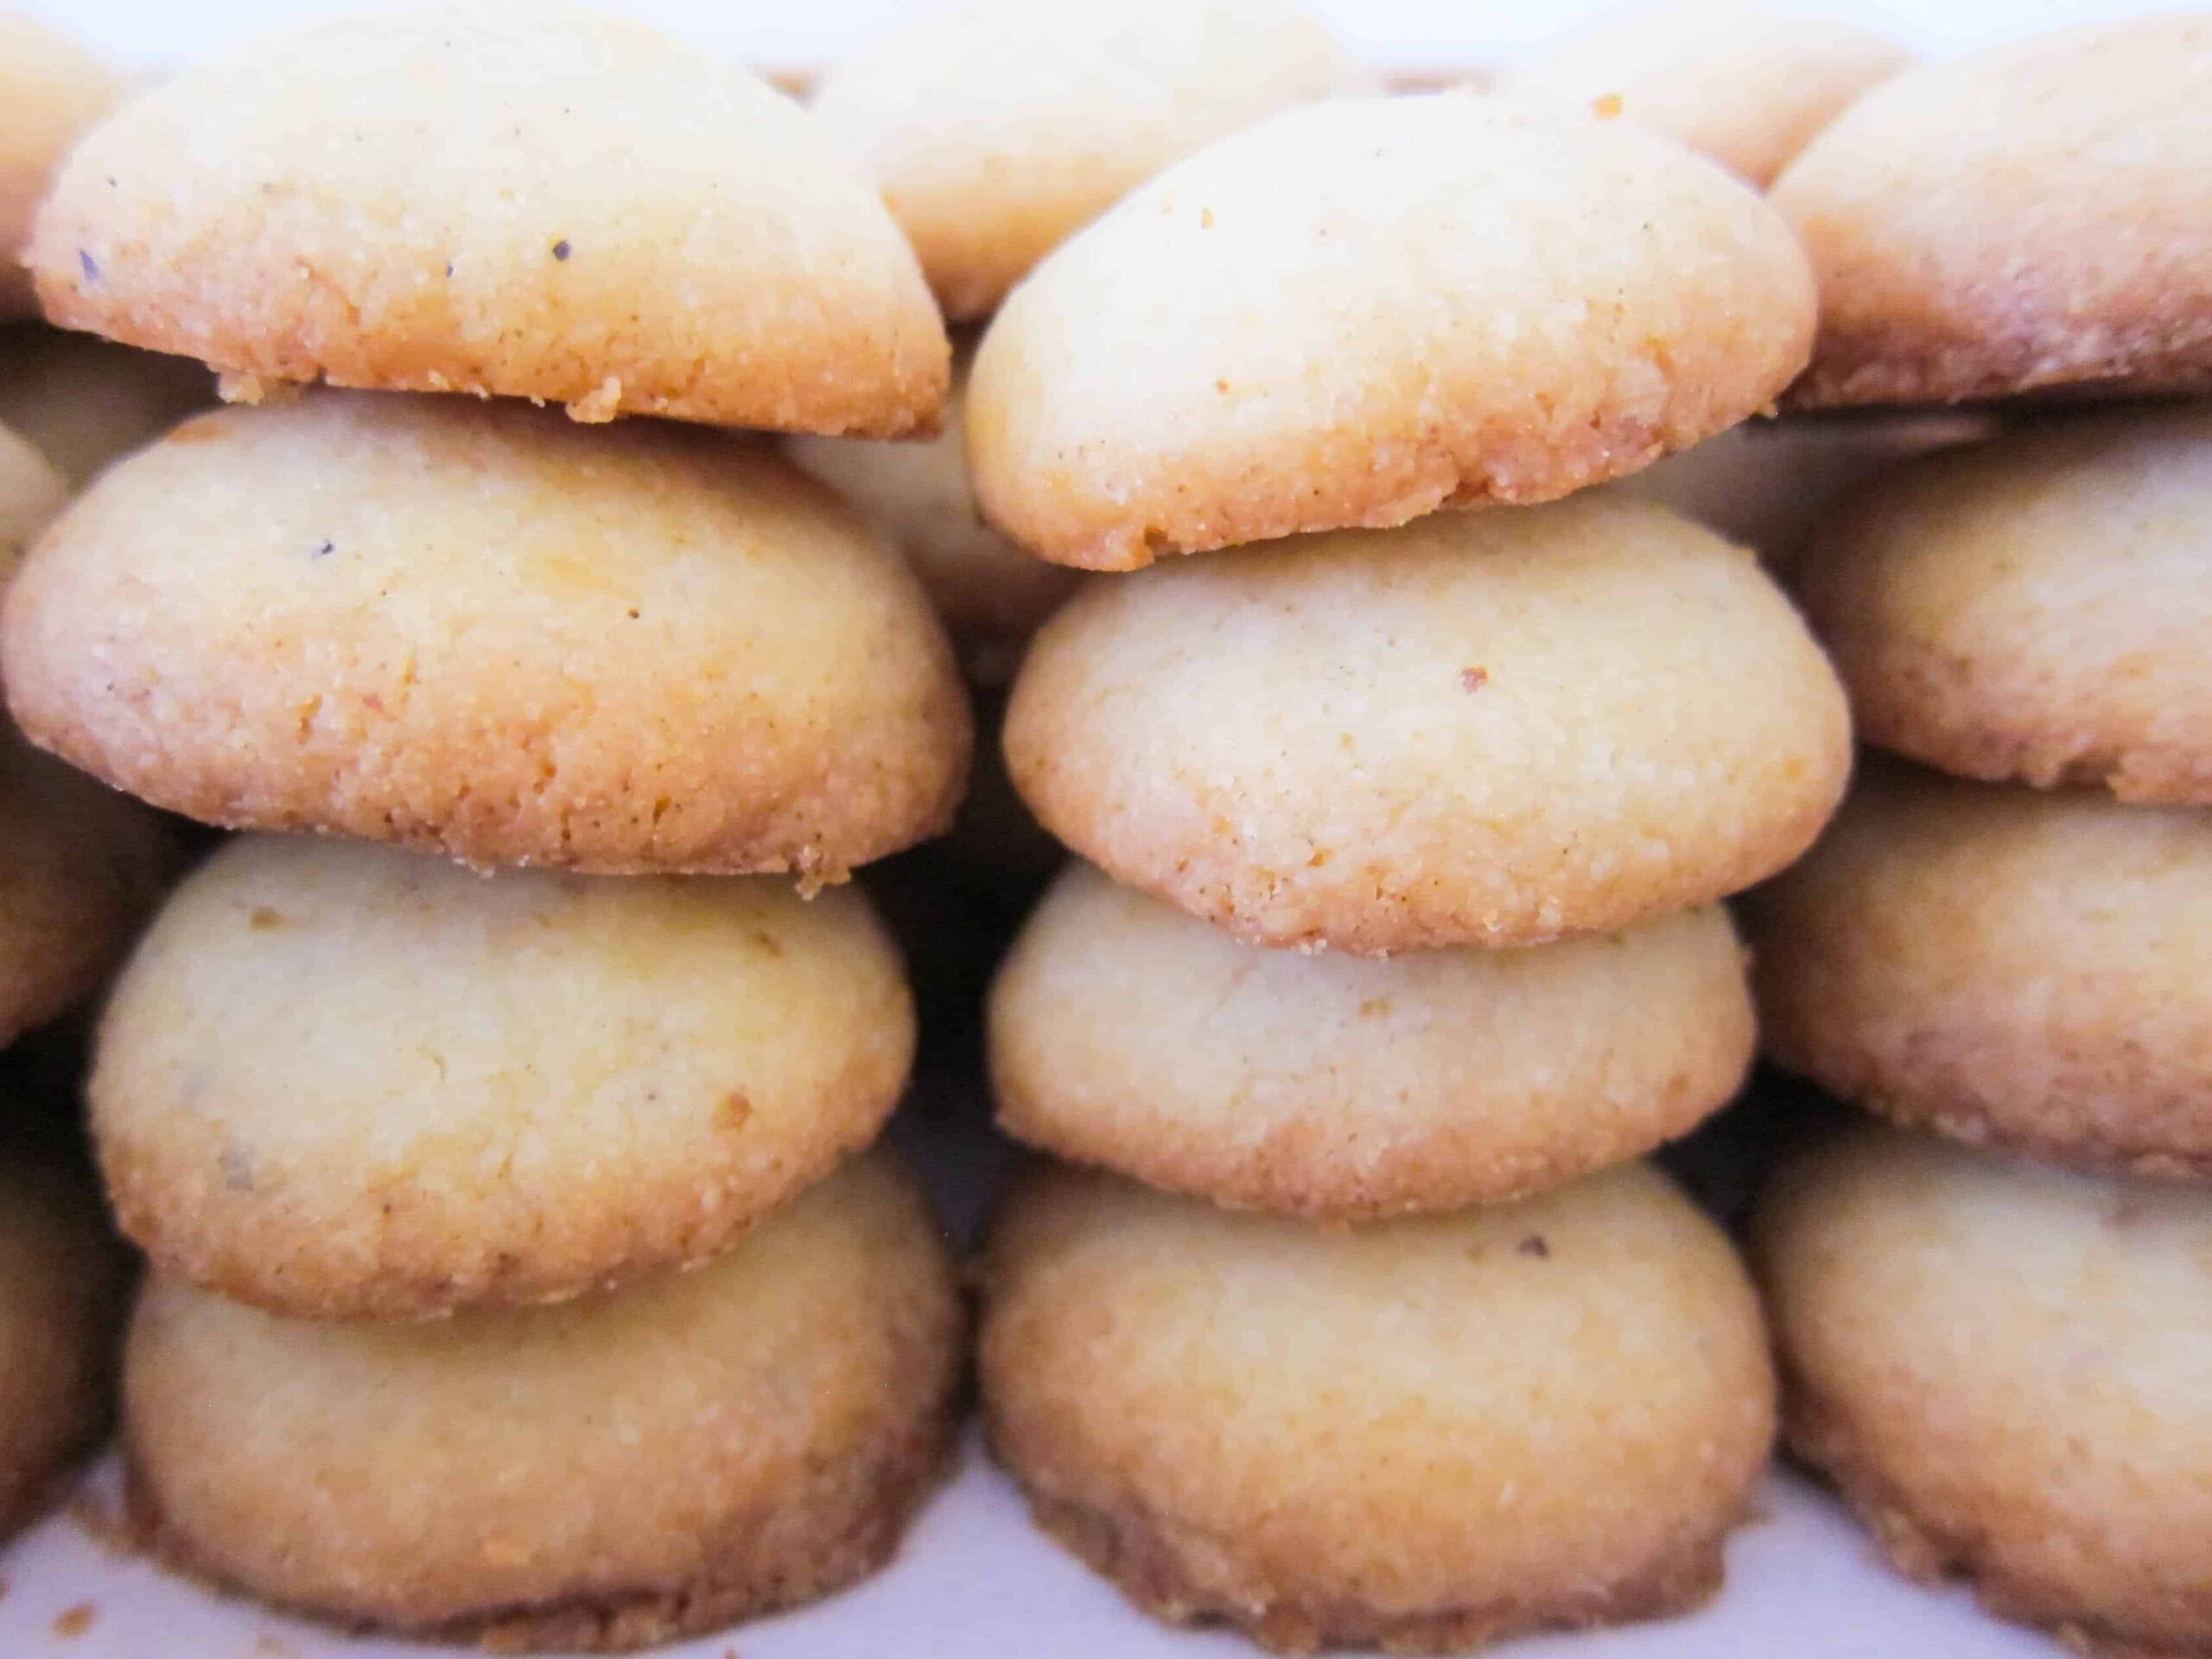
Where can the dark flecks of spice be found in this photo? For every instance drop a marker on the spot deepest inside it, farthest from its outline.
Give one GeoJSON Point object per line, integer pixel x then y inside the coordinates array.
{"type": "Point", "coordinates": [324, 551]}
{"type": "Point", "coordinates": [448, 269]}
{"type": "Point", "coordinates": [1534, 1245]}
{"type": "Point", "coordinates": [1473, 679]}
{"type": "Point", "coordinates": [89, 265]}
{"type": "Point", "coordinates": [562, 250]}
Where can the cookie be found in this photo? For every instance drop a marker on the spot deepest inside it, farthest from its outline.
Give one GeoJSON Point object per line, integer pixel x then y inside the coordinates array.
{"type": "Point", "coordinates": [31, 492]}
{"type": "Point", "coordinates": [1338, 1088]}
{"type": "Point", "coordinates": [2033, 217]}
{"type": "Point", "coordinates": [82, 402]}
{"type": "Point", "coordinates": [1490, 728]}
{"type": "Point", "coordinates": [62, 1282]}
{"type": "Point", "coordinates": [1462, 302]}
{"type": "Point", "coordinates": [51, 89]}
{"type": "Point", "coordinates": [531, 200]}
{"type": "Point", "coordinates": [2034, 608]}
{"type": "Point", "coordinates": [600, 1476]}
{"type": "Point", "coordinates": [524, 1086]}
{"type": "Point", "coordinates": [2008, 1371]}
{"type": "Point", "coordinates": [1420, 1435]}
{"type": "Point", "coordinates": [2033, 970]}
{"type": "Point", "coordinates": [1733, 80]}
{"type": "Point", "coordinates": [991, 594]}
{"type": "Point", "coordinates": [997, 127]}
{"type": "Point", "coordinates": [476, 629]}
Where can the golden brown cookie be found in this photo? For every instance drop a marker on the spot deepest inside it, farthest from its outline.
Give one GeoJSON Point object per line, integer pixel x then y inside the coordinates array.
{"type": "Point", "coordinates": [1492, 728]}
{"type": "Point", "coordinates": [604, 1475]}
{"type": "Point", "coordinates": [1462, 302]}
{"type": "Point", "coordinates": [81, 402]}
{"type": "Point", "coordinates": [2033, 216]}
{"type": "Point", "coordinates": [1420, 1435]}
{"type": "Point", "coordinates": [2034, 608]}
{"type": "Point", "coordinates": [2008, 1371]}
{"type": "Point", "coordinates": [2030, 969]}
{"type": "Point", "coordinates": [478, 629]}
{"type": "Point", "coordinates": [51, 89]}
{"type": "Point", "coordinates": [520, 197]}
{"type": "Point", "coordinates": [524, 1086]}
{"type": "Point", "coordinates": [1126, 1033]}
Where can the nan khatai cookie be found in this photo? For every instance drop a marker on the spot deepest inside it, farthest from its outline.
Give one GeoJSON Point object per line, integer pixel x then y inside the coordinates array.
{"type": "Point", "coordinates": [532, 199]}
{"type": "Point", "coordinates": [1734, 80]}
{"type": "Point", "coordinates": [991, 594]}
{"type": "Point", "coordinates": [51, 90]}
{"type": "Point", "coordinates": [1419, 1435]}
{"type": "Point", "coordinates": [2031, 970]}
{"type": "Point", "coordinates": [1337, 1088]}
{"type": "Point", "coordinates": [1462, 302]}
{"type": "Point", "coordinates": [1492, 728]}
{"type": "Point", "coordinates": [2034, 608]}
{"type": "Point", "coordinates": [81, 402]}
{"type": "Point", "coordinates": [2008, 1371]}
{"type": "Point", "coordinates": [524, 1085]}
{"type": "Point", "coordinates": [2035, 217]}
{"type": "Point", "coordinates": [997, 127]}
{"type": "Point", "coordinates": [476, 629]}
{"type": "Point", "coordinates": [603, 1475]}
{"type": "Point", "coordinates": [62, 1279]}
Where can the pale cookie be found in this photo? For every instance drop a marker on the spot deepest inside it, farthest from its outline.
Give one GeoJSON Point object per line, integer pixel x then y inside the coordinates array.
{"type": "Point", "coordinates": [481, 630]}
{"type": "Point", "coordinates": [2033, 970]}
{"type": "Point", "coordinates": [2034, 608]}
{"type": "Point", "coordinates": [1490, 728]}
{"type": "Point", "coordinates": [1423, 1435]}
{"type": "Point", "coordinates": [600, 1476]}
{"type": "Point", "coordinates": [2008, 1371]}
{"type": "Point", "coordinates": [519, 197]}
{"type": "Point", "coordinates": [51, 89]}
{"type": "Point", "coordinates": [1336, 1088]}
{"type": "Point", "coordinates": [523, 1085]}
{"type": "Point", "coordinates": [2035, 217]}
{"type": "Point", "coordinates": [998, 127]}
{"type": "Point", "coordinates": [1456, 302]}
{"type": "Point", "coordinates": [82, 402]}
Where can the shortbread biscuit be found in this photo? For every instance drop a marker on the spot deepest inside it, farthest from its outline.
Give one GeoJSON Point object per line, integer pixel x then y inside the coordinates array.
{"type": "Point", "coordinates": [81, 402]}
{"type": "Point", "coordinates": [51, 89]}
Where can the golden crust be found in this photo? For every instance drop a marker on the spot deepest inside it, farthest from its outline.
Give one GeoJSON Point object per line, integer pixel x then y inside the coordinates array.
{"type": "Point", "coordinates": [51, 89]}
{"type": "Point", "coordinates": [527, 200]}
{"type": "Point", "coordinates": [2033, 216]}
{"type": "Point", "coordinates": [1484, 728]}
{"type": "Point", "coordinates": [479, 630]}
{"type": "Point", "coordinates": [1466, 301]}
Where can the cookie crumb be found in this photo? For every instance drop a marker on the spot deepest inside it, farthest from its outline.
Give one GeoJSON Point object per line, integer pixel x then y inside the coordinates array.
{"type": "Point", "coordinates": [1473, 679]}
{"type": "Point", "coordinates": [72, 1622]}
{"type": "Point", "coordinates": [265, 921]}
{"type": "Point", "coordinates": [1607, 108]}
{"type": "Point", "coordinates": [600, 404]}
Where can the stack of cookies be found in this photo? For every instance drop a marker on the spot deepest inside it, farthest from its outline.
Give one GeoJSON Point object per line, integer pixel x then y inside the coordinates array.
{"type": "Point", "coordinates": [1996, 1330]}
{"type": "Point", "coordinates": [1351, 1316]}
{"type": "Point", "coordinates": [416, 1151]}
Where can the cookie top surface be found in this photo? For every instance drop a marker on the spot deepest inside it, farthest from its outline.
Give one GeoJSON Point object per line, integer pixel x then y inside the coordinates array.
{"type": "Point", "coordinates": [1461, 301]}
{"type": "Point", "coordinates": [2034, 217]}
{"type": "Point", "coordinates": [997, 127]}
{"type": "Point", "coordinates": [1507, 1412]}
{"type": "Point", "coordinates": [81, 402]}
{"type": "Point", "coordinates": [2004, 964]}
{"type": "Point", "coordinates": [2036, 607]}
{"type": "Point", "coordinates": [2010, 1367]}
{"type": "Point", "coordinates": [51, 89]}
{"type": "Point", "coordinates": [482, 630]}
{"type": "Point", "coordinates": [526, 1085]}
{"type": "Point", "coordinates": [691, 1435]}
{"type": "Point", "coordinates": [1336, 1088]}
{"type": "Point", "coordinates": [531, 200]}
{"type": "Point", "coordinates": [1734, 80]}
{"type": "Point", "coordinates": [1492, 729]}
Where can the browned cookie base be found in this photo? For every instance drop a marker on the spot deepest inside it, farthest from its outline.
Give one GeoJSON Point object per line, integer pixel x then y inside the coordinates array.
{"type": "Point", "coordinates": [1961, 1119]}
{"type": "Point", "coordinates": [1905, 365]}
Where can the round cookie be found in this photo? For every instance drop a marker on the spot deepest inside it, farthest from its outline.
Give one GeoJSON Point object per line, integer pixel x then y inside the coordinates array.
{"type": "Point", "coordinates": [51, 89]}
{"type": "Point", "coordinates": [82, 402]}
{"type": "Point", "coordinates": [999, 127]}
{"type": "Point", "coordinates": [2034, 608]}
{"type": "Point", "coordinates": [2008, 1371]}
{"type": "Point", "coordinates": [31, 492]}
{"type": "Point", "coordinates": [2033, 970]}
{"type": "Point", "coordinates": [477, 629]}
{"type": "Point", "coordinates": [1463, 301]}
{"type": "Point", "coordinates": [1420, 1435]}
{"type": "Point", "coordinates": [62, 1279]}
{"type": "Point", "coordinates": [1734, 80]}
{"type": "Point", "coordinates": [1338, 1089]}
{"type": "Point", "coordinates": [524, 1086]}
{"type": "Point", "coordinates": [2034, 217]}
{"type": "Point", "coordinates": [624, 1470]}
{"type": "Point", "coordinates": [1492, 728]}
{"type": "Point", "coordinates": [518, 197]}
{"type": "Point", "coordinates": [991, 594]}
